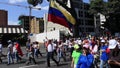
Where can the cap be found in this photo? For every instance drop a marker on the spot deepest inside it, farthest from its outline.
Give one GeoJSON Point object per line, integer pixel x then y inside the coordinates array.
{"type": "Point", "coordinates": [76, 46]}
{"type": "Point", "coordinates": [103, 41]}
{"type": "Point", "coordinates": [9, 41]}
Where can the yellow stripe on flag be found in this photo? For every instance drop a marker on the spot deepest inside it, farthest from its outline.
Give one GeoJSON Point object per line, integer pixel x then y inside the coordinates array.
{"type": "Point", "coordinates": [68, 16]}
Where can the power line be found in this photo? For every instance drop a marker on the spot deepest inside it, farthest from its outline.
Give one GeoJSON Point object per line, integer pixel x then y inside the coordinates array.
{"type": "Point", "coordinates": [30, 9]}
{"type": "Point", "coordinates": [20, 5]}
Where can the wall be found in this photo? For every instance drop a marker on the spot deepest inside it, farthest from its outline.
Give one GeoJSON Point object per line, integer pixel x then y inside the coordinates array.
{"type": "Point", "coordinates": [50, 35]}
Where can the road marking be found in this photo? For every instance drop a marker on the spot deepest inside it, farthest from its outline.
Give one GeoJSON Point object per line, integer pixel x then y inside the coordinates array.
{"type": "Point", "coordinates": [28, 66]}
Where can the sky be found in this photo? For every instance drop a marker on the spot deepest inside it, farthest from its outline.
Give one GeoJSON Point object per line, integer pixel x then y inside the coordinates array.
{"type": "Point", "coordinates": [14, 11]}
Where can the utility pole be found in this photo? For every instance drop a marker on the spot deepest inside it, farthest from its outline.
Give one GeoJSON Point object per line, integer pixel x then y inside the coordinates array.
{"type": "Point", "coordinates": [30, 12]}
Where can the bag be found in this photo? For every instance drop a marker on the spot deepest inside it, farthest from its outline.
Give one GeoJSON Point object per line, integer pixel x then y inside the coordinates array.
{"type": "Point", "coordinates": [107, 50]}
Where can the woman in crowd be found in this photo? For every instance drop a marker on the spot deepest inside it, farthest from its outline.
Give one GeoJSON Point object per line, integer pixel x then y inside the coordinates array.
{"type": "Point", "coordinates": [30, 52]}
{"type": "Point", "coordinates": [17, 51]}
{"type": "Point", "coordinates": [103, 54]}
{"type": "Point", "coordinates": [94, 52]}
{"type": "Point", "coordinates": [60, 52]}
{"type": "Point", "coordinates": [85, 59]}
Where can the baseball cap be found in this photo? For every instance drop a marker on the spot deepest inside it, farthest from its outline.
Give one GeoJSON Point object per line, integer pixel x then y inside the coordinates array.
{"type": "Point", "coordinates": [76, 46]}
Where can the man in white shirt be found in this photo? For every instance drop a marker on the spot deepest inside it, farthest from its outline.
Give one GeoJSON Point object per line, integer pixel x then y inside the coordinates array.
{"type": "Point", "coordinates": [112, 45]}
{"type": "Point", "coordinates": [10, 52]}
{"type": "Point", "coordinates": [50, 50]}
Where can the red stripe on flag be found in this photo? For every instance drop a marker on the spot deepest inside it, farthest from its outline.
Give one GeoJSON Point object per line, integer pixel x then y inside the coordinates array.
{"type": "Point", "coordinates": [58, 20]}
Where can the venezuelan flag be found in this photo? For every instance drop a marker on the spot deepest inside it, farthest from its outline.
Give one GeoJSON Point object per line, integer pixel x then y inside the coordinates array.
{"type": "Point", "coordinates": [58, 14]}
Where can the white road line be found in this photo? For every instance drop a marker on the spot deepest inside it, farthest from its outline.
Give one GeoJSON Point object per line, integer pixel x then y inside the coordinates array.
{"type": "Point", "coordinates": [28, 66]}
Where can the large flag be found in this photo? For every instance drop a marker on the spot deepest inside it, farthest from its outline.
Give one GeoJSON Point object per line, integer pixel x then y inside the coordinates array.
{"type": "Point", "coordinates": [59, 14]}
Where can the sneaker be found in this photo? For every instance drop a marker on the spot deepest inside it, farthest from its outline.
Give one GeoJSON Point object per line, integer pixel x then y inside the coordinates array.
{"type": "Point", "coordinates": [57, 64]}
{"type": "Point", "coordinates": [8, 64]}
{"type": "Point", "coordinates": [27, 63]}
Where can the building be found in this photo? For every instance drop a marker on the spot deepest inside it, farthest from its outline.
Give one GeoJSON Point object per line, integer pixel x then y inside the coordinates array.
{"type": "Point", "coordinates": [3, 18]}
{"type": "Point", "coordinates": [85, 20]}
{"type": "Point", "coordinates": [10, 32]}
{"type": "Point", "coordinates": [35, 25]}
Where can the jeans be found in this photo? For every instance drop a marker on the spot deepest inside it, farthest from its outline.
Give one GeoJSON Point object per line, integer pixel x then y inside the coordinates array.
{"type": "Point", "coordinates": [35, 53]}
{"type": "Point", "coordinates": [61, 55]}
{"type": "Point", "coordinates": [102, 63]}
{"type": "Point", "coordinates": [16, 56]}
{"type": "Point", "coordinates": [50, 56]}
{"type": "Point", "coordinates": [10, 57]}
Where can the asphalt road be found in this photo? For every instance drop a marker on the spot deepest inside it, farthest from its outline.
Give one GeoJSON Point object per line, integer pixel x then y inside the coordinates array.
{"type": "Point", "coordinates": [41, 61]}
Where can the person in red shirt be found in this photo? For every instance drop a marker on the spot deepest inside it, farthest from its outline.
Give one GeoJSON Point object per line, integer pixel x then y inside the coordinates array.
{"type": "Point", "coordinates": [19, 49]}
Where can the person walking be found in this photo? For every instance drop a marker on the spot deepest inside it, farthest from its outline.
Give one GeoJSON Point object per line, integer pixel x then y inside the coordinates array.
{"type": "Point", "coordinates": [103, 56]}
{"type": "Point", "coordinates": [86, 59]}
{"type": "Point", "coordinates": [38, 49]}
{"type": "Point", "coordinates": [30, 52]}
{"type": "Point", "coordinates": [75, 55]}
{"type": "Point", "coordinates": [50, 52]}
{"type": "Point", "coordinates": [10, 52]}
{"type": "Point", "coordinates": [60, 52]}
{"type": "Point", "coordinates": [112, 46]}
{"type": "Point", "coordinates": [15, 53]}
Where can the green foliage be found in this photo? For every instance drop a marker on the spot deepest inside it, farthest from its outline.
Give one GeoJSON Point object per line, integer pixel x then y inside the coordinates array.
{"type": "Point", "coordinates": [30, 1]}
{"type": "Point", "coordinates": [113, 6]}
{"type": "Point", "coordinates": [113, 15]}
{"type": "Point", "coordinates": [96, 6]}
{"type": "Point", "coordinates": [34, 2]}
{"type": "Point", "coordinates": [111, 9]}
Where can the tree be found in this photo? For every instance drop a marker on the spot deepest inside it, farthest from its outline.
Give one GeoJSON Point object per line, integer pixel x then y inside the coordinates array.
{"type": "Point", "coordinates": [113, 19]}
{"type": "Point", "coordinates": [113, 6]}
{"type": "Point", "coordinates": [96, 6]}
{"type": "Point", "coordinates": [111, 10]}
{"type": "Point", "coordinates": [34, 2]}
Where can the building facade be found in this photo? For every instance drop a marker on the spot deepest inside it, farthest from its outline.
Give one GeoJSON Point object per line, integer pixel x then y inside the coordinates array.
{"type": "Point", "coordinates": [85, 20]}
{"type": "Point", "coordinates": [10, 32]}
{"type": "Point", "coordinates": [36, 25]}
{"type": "Point", "coordinates": [3, 18]}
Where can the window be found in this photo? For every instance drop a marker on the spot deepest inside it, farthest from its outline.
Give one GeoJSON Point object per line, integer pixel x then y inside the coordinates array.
{"type": "Point", "coordinates": [80, 13]}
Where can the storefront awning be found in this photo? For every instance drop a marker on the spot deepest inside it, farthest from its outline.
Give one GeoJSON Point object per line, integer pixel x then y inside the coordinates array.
{"type": "Point", "coordinates": [5, 30]}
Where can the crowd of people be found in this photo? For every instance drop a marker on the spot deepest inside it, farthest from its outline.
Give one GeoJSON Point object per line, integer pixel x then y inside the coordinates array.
{"type": "Point", "coordinates": [93, 52]}
{"type": "Point", "coordinates": [15, 54]}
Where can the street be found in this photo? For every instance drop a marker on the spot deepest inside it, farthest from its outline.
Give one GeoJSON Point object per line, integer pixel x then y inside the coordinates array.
{"type": "Point", "coordinates": [41, 61]}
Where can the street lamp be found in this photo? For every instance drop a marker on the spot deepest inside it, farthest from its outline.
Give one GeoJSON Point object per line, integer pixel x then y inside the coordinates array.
{"type": "Point", "coordinates": [30, 13]}
{"type": "Point", "coordinates": [33, 3]}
